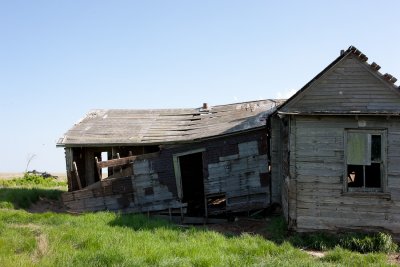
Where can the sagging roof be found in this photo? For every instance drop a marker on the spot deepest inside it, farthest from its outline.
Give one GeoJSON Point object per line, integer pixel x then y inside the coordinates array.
{"type": "Point", "coordinates": [162, 126]}
{"type": "Point", "coordinates": [349, 85]}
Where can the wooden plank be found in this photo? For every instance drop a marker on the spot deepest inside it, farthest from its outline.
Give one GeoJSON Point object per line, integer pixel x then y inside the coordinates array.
{"type": "Point", "coordinates": [116, 162]}
{"type": "Point", "coordinates": [78, 180]}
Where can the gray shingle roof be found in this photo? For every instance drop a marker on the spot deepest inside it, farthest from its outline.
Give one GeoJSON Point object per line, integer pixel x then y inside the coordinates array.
{"type": "Point", "coordinates": [161, 126]}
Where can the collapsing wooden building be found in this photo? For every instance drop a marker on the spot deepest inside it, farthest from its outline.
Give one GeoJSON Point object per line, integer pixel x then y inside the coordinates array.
{"type": "Point", "coordinates": [199, 162]}
{"type": "Point", "coordinates": [329, 155]}
{"type": "Point", "coordinates": [335, 147]}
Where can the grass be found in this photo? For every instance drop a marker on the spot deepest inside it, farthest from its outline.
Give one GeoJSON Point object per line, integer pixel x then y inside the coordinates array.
{"type": "Point", "coordinates": [32, 180]}
{"type": "Point", "coordinates": [22, 192]}
{"type": "Point", "coordinates": [321, 241]}
{"type": "Point", "coordinates": [110, 239]}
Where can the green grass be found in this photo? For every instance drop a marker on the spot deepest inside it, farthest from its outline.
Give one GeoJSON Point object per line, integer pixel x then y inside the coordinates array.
{"type": "Point", "coordinates": [357, 242]}
{"type": "Point", "coordinates": [22, 192]}
{"type": "Point", "coordinates": [110, 239]}
{"type": "Point", "coordinates": [32, 180]}
{"type": "Point", "coordinates": [22, 198]}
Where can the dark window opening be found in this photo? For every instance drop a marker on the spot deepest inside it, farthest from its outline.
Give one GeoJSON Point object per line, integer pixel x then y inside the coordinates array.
{"type": "Point", "coordinates": [376, 148]}
{"type": "Point", "coordinates": [191, 167]}
{"type": "Point", "coordinates": [364, 176]}
{"type": "Point", "coordinates": [373, 175]}
{"type": "Point", "coordinates": [364, 161]}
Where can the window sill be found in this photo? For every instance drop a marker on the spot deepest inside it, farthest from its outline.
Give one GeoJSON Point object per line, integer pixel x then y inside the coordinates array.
{"type": "Point", "coordinates": [379, 195]}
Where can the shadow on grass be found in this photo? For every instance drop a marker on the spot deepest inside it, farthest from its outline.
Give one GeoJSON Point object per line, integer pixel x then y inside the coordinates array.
{"type": "Point", "coordinates": [23, 198]}
{"type": "Point", "coordinates": [359, 242]}
{"type": "Point", "coordinates": [276, 231]}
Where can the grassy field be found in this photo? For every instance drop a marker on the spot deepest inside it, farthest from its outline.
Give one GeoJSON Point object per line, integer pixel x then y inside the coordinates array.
{"type": "Point", "coordinates": [110, 239]}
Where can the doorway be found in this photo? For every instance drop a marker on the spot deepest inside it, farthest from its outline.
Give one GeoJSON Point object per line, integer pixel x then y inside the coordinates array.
{"type": "Point", "coordinates": [192, 184]}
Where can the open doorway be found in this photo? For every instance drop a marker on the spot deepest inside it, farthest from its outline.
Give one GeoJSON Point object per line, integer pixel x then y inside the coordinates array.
{"type": "Point", "coordinates": [191, 174]}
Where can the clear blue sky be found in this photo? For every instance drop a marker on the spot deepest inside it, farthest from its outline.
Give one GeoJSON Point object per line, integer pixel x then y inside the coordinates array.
{"type": "Point", "coordinates": [59, 59]}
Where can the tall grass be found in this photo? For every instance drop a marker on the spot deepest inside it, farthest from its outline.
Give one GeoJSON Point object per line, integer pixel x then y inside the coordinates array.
{"type": "Point", "coordinates": [22, 192]}
{"type": "Point", "coordinates": [32, 180]}
{"type": "Point", "coordinates": [22, 198]}
{"type": "Point", "coordinates": [110, 239]}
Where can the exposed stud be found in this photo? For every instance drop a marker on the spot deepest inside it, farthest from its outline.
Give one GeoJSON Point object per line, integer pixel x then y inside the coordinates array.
{"type": "Point", "coordinates": [357, 52]}
{"type": "Point", "coordinates": [375, 66]}
{"type": "Point", "coordinates": [352, 48]}
{"type": "Point", "coordinates": [363, 57]}
{"type": "Point", "coordinates": [393, 80]}
{"type": "Point", "coordinates": [387, 76]}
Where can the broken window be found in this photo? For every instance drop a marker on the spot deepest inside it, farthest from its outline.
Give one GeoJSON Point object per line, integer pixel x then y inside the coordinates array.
{"type": "Point", "coordinates": [365, 160]}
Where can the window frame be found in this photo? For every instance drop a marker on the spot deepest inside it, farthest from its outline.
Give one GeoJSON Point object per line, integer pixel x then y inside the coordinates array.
{"type": "Point", "coordinates": [383, 163]}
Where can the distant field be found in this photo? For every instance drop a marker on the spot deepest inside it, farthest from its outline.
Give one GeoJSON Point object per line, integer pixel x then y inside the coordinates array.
{"type": "Point", "coordinates": [10, 175]}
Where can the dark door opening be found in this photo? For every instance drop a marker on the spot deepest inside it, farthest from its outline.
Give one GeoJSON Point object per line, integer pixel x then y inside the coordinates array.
{"type": "Point", "coordinates": [192, 183]}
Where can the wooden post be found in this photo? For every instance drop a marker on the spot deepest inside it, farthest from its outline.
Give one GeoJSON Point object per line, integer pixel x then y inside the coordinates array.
{"type": "Point", "coordinates": [119, 168]}
{"type": "Point", "coordinates": [98, 168]}
{"type": "Point", "coordinates": [205, 207]}
{"type": "Point", "coordinates": [77, 175]}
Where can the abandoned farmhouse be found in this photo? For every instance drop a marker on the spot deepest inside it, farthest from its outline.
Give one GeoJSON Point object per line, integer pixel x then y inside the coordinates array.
{"type": "Point", "coordinates": [329, 155]}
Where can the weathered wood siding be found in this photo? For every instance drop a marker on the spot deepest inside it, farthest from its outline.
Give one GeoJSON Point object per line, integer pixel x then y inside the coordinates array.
{"type": "Point", "coordinates": [349, 86]}
{"type": "Point", "coordinates": [234, 166]}
{"type": "Point", "coordinates": [283, 184]}
{"type": "Point", "coordinates": [243, 178]}
{"type": "Point", "coordinates": [317, 169]}
{"type": "Point", "coordinates": [139, 193]}
{"type": "Point", "coordinates": [148, 187]}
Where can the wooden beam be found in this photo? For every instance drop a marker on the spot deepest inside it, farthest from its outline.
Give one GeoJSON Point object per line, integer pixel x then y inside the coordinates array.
{"type": "Point", "coordinates": [98, 168]}
{"type": "Point", "coordinates": [387, 76]}
{"type": "Point", "coordinates": [115, 162]}
{"type": "Point", "coordinates": [77, 175]}
{"type": "Point", "coordinates": [375, 66]}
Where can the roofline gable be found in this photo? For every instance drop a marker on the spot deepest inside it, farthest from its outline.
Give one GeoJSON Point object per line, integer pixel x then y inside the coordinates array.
{"type": "Point", "coordinates": [387, 79]}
